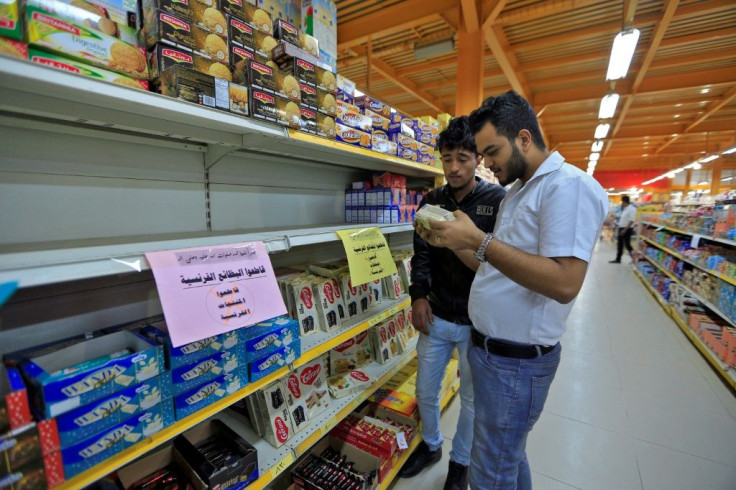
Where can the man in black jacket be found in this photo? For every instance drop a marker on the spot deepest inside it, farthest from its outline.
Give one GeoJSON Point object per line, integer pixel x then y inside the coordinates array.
{"type": "Point", "coordinates": [440, 287]}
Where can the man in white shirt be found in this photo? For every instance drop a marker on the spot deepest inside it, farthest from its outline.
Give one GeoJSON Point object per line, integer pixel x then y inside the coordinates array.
{"type": "Point", "coordinates": [532, 268]}
{"type": "Point", "coordinates": [625, 228]}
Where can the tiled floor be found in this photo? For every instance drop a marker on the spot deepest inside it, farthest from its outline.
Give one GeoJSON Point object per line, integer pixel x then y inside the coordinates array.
{"type": "Point", "coordinates": [633, 406]}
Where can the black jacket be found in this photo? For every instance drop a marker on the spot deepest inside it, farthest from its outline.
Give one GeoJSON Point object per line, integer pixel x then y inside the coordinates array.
{"type": "Point", "coordinates": [436, 273]}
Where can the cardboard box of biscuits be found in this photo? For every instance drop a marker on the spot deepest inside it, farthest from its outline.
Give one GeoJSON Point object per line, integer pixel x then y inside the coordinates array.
{"type": "Point", "coordinates": [309, 120]}
{"type": "Point", "coordinates": [10, 21]}
{"type": "Point", "coordinates": [162, 27]}
{"type": "Point", "coordinates": [89, 15]}
{"type": "Point", "coordinates": [288, 112]}
{"type": "Point", "coordinates": [252, 15]}
{"type": "Point", "coordinates": [72, 66]}
{"type": "Point", "coordinates": [74, 40]}
{"type": "Point", "coordinates": [163, 56]}
{"type": "Point", "coordinates": [12, 48]}
{"type": "Point", "coordinates": [326, 126]}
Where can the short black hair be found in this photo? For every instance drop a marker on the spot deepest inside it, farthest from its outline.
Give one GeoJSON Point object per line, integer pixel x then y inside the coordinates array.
{"type": "Point", "coordinates": [457, 136]}
{"type": "Point", "coordinates": [626, 199]}
{"type": "Point", "coordinates": [509, 113]}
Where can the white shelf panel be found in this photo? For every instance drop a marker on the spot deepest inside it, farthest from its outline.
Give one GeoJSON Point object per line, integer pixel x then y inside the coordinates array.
{"type": "Point", "coordinates": [95, 258]}
{"type": "Point", "coordinates": [31, 89]}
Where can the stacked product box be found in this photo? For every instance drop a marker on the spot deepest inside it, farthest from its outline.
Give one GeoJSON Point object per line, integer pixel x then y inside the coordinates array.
{"type": "Point", "coordinates": [331, 460]}
{"type": "Point", "coordinates": [351, 354]}
{"type": "Point", "coordinates": [311, 79]}
{"type": "Point", "coordinates": [381, 205]}
{"type": "Point", "coordinates": [372, 436]}
{"type": "Point", "coordinates": [306, 392]}
{"type": "Point", "coordinates": [198, 51]}
{"type": "Point", "coordinates": [11, 23]}
{"type": "Point", "coordinates": [269, 413]}
{"type": "Point", "coordinates": [203, 371]}
{"type": "Point", "coordinates": [271, 345]}
{"type": "Point", "coordinates": [29, 451]}
{"type": "Point", "coordinates": [62, 34]}
{"type": "Point", "coordinates": [317, 302]}
{"type": "Point", "coordinates": [99, 404]}
{"type": "Point", "coordinates": [345, 90]}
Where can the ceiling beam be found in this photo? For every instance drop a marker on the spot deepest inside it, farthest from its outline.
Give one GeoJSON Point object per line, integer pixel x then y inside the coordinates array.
{"type": "Point", "coordinates": [389, 72]}
{"type": "Point", "coordinates": [663, 83]}
{"type": "Point", "coordinates": [496, 8]}
{"type": "Point", "coordinates": [470, 15]}
{"type": "Point", "coordinates": [398, 17]}
{"type": "Point", "coordinates": [712, 109]}
{"type": "Point", "coordinates": [452, 18]}
{"type": "Point", "coordinates": [506, 59]}
{"type": "Point", "coordinates": [629, 12]}
{"type": "Point", "coordinates": [541, 9]}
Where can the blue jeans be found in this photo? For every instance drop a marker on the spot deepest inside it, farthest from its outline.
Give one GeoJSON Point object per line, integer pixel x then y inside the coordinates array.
{"type": "Point", "coordinates": [509, 400]}
{"type": "Point", "coordinates": [433, 353]}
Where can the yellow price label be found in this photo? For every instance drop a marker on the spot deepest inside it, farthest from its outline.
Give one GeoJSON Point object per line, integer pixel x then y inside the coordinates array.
{"type": "Point", "coordinates": [282, 465]}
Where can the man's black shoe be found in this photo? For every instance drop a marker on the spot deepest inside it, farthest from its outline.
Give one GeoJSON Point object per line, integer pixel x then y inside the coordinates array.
{"type": "Point", "coordinates": [457, 477]}
{"type": "Point", "coordinates": [421, 458]}
{"type": "Point", "coordinates": [614, 261]}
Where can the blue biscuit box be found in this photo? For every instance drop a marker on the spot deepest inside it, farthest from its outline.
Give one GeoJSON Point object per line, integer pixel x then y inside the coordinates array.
{"type": "Point", "coordinates": [86, 421]}
{"type": "Point", "coordinates": [206, 394]}
{"type": "Point", "coordinates": [270, 363]}
{"type": "Point", "coordinates": [98, 448]}
{"type": "Point", "coordinates": [189, 353]}
{"type": "Point", "coordinates": [185, 378]}
{"type": "Point", "coordinates": [269, 336]}
{"type": "Point", "coordinates": [87, 371]}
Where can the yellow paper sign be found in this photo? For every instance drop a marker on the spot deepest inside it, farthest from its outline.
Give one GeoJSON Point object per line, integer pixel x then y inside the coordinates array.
{"type": "Point", "coordinates": [368, 254]}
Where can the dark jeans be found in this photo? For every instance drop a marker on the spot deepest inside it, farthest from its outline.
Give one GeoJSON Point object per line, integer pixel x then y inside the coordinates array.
{"type": "Point", "coordinates": [624, 241]}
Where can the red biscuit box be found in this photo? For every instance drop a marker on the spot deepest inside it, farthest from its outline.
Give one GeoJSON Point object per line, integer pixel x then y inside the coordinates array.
{"type": "Point", "coordinates": [14, 409]}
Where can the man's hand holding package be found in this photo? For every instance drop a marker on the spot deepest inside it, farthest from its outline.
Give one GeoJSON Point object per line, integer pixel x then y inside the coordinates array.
{"type": "Point", "coordinates": [459, 234]}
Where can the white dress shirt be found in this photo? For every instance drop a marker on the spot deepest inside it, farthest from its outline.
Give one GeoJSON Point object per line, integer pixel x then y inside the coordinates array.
{"type": "Point", "coordinates": [628, 215]}
{"type": "Point", "coordinates": [559, 212]}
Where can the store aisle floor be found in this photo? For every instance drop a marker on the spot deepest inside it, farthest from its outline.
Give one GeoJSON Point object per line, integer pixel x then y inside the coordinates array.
{"type": "Point", "coordinates": [633, 406]}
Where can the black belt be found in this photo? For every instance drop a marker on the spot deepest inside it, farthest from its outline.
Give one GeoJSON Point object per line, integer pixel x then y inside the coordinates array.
{"type": "Point", "coordinates": [510, 350]}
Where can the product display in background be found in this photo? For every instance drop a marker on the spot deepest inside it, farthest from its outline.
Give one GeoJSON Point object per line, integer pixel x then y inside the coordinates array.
{"type": "Point", "coordinates": [319, 19]}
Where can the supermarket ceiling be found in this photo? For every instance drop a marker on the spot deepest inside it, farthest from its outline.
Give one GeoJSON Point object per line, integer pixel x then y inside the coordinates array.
{"type": "Point", "coordinates": [677, 103]}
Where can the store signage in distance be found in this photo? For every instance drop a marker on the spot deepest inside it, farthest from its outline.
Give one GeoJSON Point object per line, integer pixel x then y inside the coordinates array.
{"type": "Point", "coordinates": [369, 257]}
{"type": "Point", "coordinates": [209, 291]}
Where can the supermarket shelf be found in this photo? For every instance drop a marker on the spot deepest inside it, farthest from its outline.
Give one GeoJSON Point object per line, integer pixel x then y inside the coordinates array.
{"type": "Point", "coordinates": [649, 288]}
{"type": "Point", "coordinates": [150, 443]}
{"type": "Point", "coordinates": [316, 344]}
{"type": "Point", "coordinates": [310, 146]}
{"type": "Point", "coordinates": [727, 373]}
{"type": "Point", "coordinates": [691, 262]}
{"type": "Point", "coordinates": [87, 259]}
{"type": "Point", "coordinates": [684, 232]}
{"type": "Point", "coordinates": [274, 461]}
{"type": "Point", "coordinates": [40, 96]}
{"type": "Point", "coordinates": [121, 459]}
{"type": "Point", "coordinates": [662, 269]}
{"type": "Point", "coordinates": [707, 303]}
{"type": "Point", "coordinates": [29, 89]}
{"type": "Point", "coordinates": [391, 476]}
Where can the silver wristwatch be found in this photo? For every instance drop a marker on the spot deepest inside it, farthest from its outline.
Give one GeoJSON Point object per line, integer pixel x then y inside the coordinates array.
{"type": "Point", "coordinates": [480, 254]}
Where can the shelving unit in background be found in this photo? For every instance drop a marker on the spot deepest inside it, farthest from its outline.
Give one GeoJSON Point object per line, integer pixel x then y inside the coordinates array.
{"type": "Point", "coordinates": [727, 372]}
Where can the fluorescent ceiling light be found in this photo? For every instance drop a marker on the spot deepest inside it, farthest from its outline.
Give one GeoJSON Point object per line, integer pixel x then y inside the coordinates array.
{"type": "Point", "coordinates": [727, 179]}
{"type": "Point", "coordinates": [608, 106]}
{"type": "Point", "coordinates": [671, 175]}
{"type": "Point", "coordinates": [708, 159]}
{"type": "Point", "coordinates": [696, 166]}
{"type": "Point", "coordinates": [594, 157]}
{"type": "Point", "coordinates": [435, 49]}
{"type": "Point", "coordinates": [624, 45]}
{"type": "Point", "coordinates": [597, 146]}
{"type": "Point", "coordinates": [601, 131]}
{"type": "Point", "coordinates": [729, 151]}
{"type": "Point", "coordinates": [678, 170]}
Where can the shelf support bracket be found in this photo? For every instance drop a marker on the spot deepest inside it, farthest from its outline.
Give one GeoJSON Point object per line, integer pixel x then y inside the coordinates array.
{"type": "Point", "coordinates": [215, 153]}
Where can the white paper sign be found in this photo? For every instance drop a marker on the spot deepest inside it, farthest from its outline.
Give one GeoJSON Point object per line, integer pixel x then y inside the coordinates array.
{"type": "Point", "coordinates": [401, 441]}
{"type": "Point", "coordinates": [695, 242]}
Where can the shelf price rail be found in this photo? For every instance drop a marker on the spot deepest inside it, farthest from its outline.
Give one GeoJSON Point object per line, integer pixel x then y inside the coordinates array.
{"type": "Point", "coordinates": [148, 444]}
